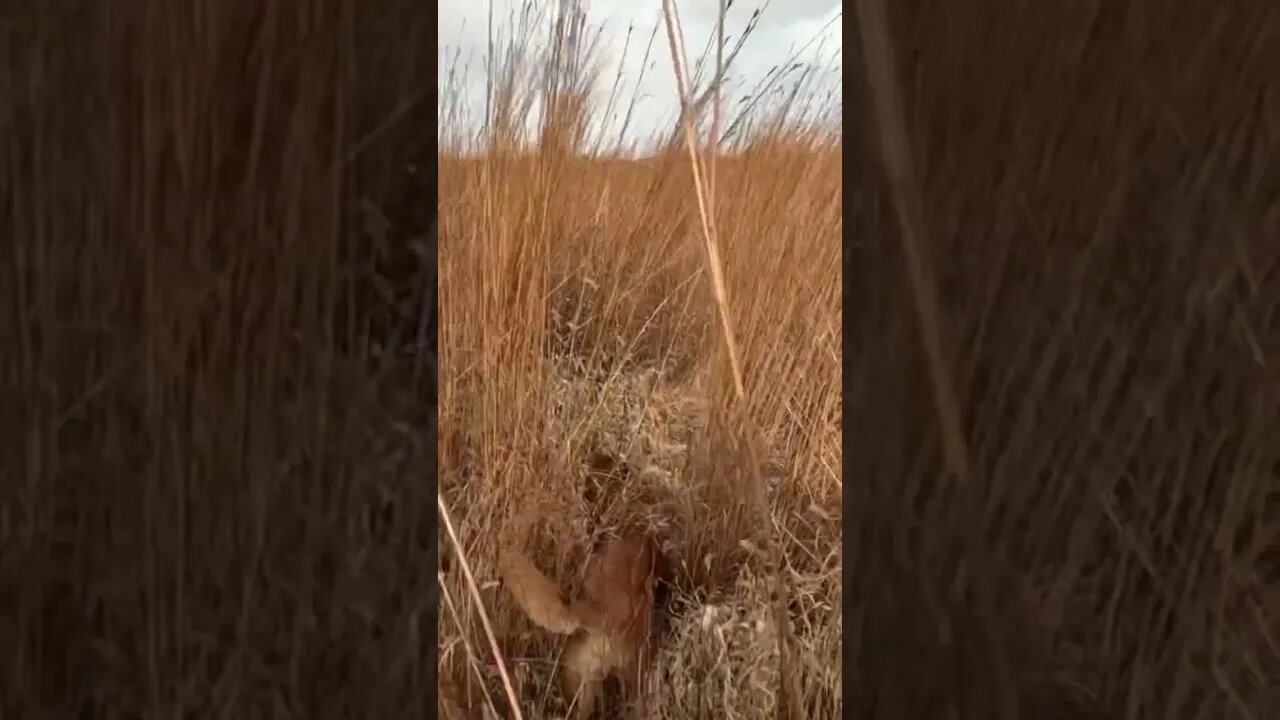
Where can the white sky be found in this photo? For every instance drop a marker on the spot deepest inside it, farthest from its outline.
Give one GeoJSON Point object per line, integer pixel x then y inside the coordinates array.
{"type": "Point", "coordinates": [804, 31]}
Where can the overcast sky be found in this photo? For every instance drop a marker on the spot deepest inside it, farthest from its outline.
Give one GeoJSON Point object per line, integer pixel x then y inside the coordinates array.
{"type": "Point", "coordinates": [804, 31]}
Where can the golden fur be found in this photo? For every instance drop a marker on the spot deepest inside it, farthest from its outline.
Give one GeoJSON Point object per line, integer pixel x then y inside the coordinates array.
{"type": "Point", "coordinates": [610, 619]}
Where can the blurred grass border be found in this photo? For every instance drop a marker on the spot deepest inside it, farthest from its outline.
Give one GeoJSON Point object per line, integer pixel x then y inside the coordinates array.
{"type": "Point", "coordinates": [1098, 198]}
{"type": "Point", "coordinates": [188, 523]}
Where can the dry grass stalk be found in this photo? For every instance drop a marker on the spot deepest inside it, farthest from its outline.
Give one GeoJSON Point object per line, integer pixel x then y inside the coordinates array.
{"type": "Point", "coordinates": [461, 555]}
{"type": "Point", "coordinates": [705, 191]}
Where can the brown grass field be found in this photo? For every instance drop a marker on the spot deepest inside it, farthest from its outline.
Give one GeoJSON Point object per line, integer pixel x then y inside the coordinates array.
{"type": "Point", "coordinates": [1058, 370]}
{"type": "Point", "coordinates": [577, 319]}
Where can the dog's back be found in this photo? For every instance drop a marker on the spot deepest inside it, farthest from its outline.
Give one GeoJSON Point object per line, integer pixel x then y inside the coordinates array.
{"type": "Point", "coordinates": [613, 613]}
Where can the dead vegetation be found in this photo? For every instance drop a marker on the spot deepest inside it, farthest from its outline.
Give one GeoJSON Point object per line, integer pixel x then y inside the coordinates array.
{"type": "Point", "coordinates": [1091, 191]}
{"type": "Point", "coordinates": [579, 320]}
{"type": "Point", "coordinates": [214, 455]}
{"type": "Point", "coordinates": [207, 508]}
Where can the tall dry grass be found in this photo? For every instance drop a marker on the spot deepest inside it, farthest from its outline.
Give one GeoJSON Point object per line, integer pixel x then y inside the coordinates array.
{"type": "Point", "coordinates": [578, 319]}
{"type": "Point", "coordinates": [1087, 527]}
{"type": "Point", "coordinates": [194, 519]}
